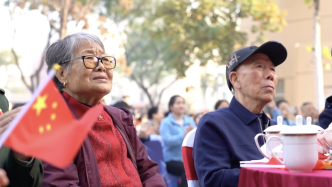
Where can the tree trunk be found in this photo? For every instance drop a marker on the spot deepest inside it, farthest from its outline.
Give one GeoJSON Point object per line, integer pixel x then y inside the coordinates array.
{"type": "Point", "coordinates": [64, 18]}
{"type": "Point", "coordinates": [317, 52]}
{"type": "Point", "coordinates": [145, 89]}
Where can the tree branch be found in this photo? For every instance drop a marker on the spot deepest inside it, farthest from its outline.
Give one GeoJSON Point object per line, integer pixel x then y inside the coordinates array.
{"type": "Point", "coordinates": [16, 57]}
{"type": "Point", "coordinates": [42, 61]}
{"type": "Point", "coordinates": [146, 91]}
{"type": "Point", "coordinates": [53, 26]}
{"type": "Point", "coordinates": [19, 68]}
{"type": "Point", "coordinates": [165, 88]}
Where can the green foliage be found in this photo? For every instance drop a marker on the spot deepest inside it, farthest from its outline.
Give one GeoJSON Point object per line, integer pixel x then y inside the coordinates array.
{"type": "Point", "coordinates": [67, 10]}
{"type": "Point", "coordinates": [6, 58]}
{"type": "Point", "coordinates": [166, 37]}
{"type": "Point", "coordinates": [327, 53]}
{"type": "Point", "coordinates": [209, 30]}
{"type": "Point", "coordinates": [148, 57]}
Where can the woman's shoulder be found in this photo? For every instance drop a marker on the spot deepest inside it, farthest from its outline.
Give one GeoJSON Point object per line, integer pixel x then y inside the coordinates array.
{"type": "Point", "coordinates": [119, 114]}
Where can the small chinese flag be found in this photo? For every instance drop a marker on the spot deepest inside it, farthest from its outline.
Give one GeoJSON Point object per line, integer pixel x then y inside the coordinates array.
{"type": "Point", "coordinates": [46, 128]}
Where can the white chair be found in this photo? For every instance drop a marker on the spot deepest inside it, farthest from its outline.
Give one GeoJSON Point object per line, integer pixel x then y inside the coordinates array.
{"type": "Point", "coordinates": [188, 160]}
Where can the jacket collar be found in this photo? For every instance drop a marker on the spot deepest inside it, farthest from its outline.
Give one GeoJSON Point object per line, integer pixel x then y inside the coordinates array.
{"type": "Point", "coordinates": [244, 114]}
{"type": "Point", "coordinates": [80, 108]}
{"type": "Point", "coordinates": [172, 119]}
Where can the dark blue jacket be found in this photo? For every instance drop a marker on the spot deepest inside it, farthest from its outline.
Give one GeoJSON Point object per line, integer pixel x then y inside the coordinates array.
{"type": "Point", "coordinates": [325, 118]}
{"type": "Point", "coordinates": [223, 138]}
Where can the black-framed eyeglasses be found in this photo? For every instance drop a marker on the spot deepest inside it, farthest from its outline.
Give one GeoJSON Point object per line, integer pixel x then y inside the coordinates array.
{"type": "Point", "coordinates": [91, 62]}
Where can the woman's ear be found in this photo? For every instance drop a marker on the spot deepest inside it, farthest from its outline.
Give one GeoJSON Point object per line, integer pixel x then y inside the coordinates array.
{"type": "Point", "coordinates": [61, 74]}
{"type": "Point", "coordinates": [234, 79]}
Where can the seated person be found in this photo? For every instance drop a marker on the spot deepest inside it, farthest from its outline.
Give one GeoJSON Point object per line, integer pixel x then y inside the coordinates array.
{"type": "Point", "coordinates": [281, 108]}
{"type": "Point", "coordinates": [308, 110]}
{"type": "Point", "coordinates": [221, 104]}
{"type": "Point", "coordinates": [20, 169]}
{"type": "Point", "coordinates": [325, 118]}
{"type": "Point", "coordinates": [149, 130]}
{"type": "Point", "coordinates": [226, 136]}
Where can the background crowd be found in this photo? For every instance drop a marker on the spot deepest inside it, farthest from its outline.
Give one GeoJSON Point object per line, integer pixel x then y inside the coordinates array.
{"type": "Point", "coordinates": [155, 124]}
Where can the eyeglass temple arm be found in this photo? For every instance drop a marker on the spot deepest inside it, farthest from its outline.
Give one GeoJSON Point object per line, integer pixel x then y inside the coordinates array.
{"type": "Point", "coordinates": [81, 57]}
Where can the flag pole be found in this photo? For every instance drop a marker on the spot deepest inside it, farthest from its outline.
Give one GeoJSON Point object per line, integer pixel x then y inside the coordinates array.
{"type": "Point", "coordinates": [25, 108]}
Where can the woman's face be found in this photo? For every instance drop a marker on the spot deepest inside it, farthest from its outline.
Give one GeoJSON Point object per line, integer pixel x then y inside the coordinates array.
{"type": "Point", "coordinates": [179, 106]}
{"type": "Point", "coordinates": [84, 82]}
{"type": "Point", "coordinates": [284, 109]}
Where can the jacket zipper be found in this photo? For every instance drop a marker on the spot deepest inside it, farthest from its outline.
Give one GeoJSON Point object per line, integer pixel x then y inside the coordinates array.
{"type": "Point", "coordinates": [260, 124]}
{"type": "Point", "coordinates": [86, 171]}
{"type": "Point", "coordinates": [76, 116]}
{"type": "Point", "coordinates": [128, 146]}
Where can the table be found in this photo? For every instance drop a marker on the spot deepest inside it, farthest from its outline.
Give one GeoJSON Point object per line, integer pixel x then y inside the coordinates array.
{"type": "Point", "coordinates": [268, 177]}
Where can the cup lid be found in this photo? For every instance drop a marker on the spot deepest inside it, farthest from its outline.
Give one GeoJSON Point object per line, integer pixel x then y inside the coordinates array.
{"type": "Point", "coordinates": [300, 128]}
{"type": "Point", "coordinates": [277, 128]}
{"type": "Point", "coordinates": [312, 126]}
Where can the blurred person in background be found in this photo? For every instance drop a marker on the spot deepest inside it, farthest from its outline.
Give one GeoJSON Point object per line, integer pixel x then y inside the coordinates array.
{"type": "Point", "coordinates": [174, 127]}
{"type": "Point", "coordinates": [155, 116]}
{"type": "Point", "coordinates": [221, 104]}
{"type": "Point", "coordinates": [281, 108]}
{"type": "Point", "coordinates": [122, 104]}
{"type": "Point", "coordinates": [17, 169]}
{"type": "Point", "coordinates": [198, 117]}
{"type": "Point", "coordinates": [309, 110]}
{"type": "Point", "coordinates": [226, 136]}
{"type": "Point", "coordinates": [126, 99]}
{"type": "Point", "coordinates": [111, 154]}
{"type": "Point", "coordinates": [151, 126]}
{"type": "Point", "coordinates": [325, 118]}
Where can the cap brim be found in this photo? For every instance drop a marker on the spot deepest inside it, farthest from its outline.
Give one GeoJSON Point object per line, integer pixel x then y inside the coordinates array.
{"type": "Point", "coordinates": [274, 50]}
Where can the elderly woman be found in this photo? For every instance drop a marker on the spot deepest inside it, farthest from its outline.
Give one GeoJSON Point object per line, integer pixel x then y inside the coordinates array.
{"type": "Point", "coordinates": [111, 154]}
{"type": "Point", "coordinates": [226, 136]}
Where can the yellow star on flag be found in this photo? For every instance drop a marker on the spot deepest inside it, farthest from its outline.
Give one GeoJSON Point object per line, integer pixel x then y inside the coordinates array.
{"type": "Point", "coordinates": [326, 165]}
{"type": "Point", "coordinates": [40, 104]}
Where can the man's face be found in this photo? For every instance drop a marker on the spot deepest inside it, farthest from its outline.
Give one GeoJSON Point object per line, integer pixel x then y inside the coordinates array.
{"type": "Point", "coordinates": [309, 110]}
{"type": "Point", "coordinates": [284, 109]}
{"type": "Point", "coordinates": [257, 78]}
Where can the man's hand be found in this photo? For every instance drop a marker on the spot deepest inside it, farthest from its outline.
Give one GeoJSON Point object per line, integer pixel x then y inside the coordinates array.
{"type": "Point", "coordinates": [188, 129]}
{"type": "Point", "coordinates": [4, 181]}
{"type": "Point", "coordinates": [7, 118]}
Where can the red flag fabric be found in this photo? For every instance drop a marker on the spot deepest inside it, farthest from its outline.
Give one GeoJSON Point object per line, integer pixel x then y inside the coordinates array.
{"type": "Point", "coordinates": [48, 130]}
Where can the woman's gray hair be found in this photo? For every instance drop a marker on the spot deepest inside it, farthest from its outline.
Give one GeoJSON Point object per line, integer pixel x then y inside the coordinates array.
{"type": "Point", "coordinates": [63, 50]}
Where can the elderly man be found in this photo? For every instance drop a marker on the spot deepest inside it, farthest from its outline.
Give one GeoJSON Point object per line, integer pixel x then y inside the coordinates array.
{"type": "Point", "coordinates": [226, 136]}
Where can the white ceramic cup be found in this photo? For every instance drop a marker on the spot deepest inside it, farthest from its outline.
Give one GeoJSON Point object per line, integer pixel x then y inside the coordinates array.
{"type": "Point", "coordinates": [274, 143]}
{"type": "Point", "coordinates": [299, 151]}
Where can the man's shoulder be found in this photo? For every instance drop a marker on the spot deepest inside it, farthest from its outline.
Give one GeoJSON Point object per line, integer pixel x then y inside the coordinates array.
{"type": "Point", "coordinates": [220, 117]}
{"type": "Point", "coordinates": [121, 116]}
{"type": "Point", "coordinates": [220, 113]}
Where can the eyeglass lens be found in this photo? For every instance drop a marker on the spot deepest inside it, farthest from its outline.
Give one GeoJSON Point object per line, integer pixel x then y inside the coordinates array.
{"type": "Point", "coordinates": [91, 61]}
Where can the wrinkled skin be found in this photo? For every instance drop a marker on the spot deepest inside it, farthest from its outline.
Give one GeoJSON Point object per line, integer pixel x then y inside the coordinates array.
{"type": "Point", "coordinates": [255, 82]}
{"type": "Point", "coordinates": [88, 86]}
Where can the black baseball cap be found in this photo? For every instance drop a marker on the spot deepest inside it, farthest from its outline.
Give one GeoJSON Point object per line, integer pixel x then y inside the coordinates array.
{"type": "Point", "coordinates": [273, 49]}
